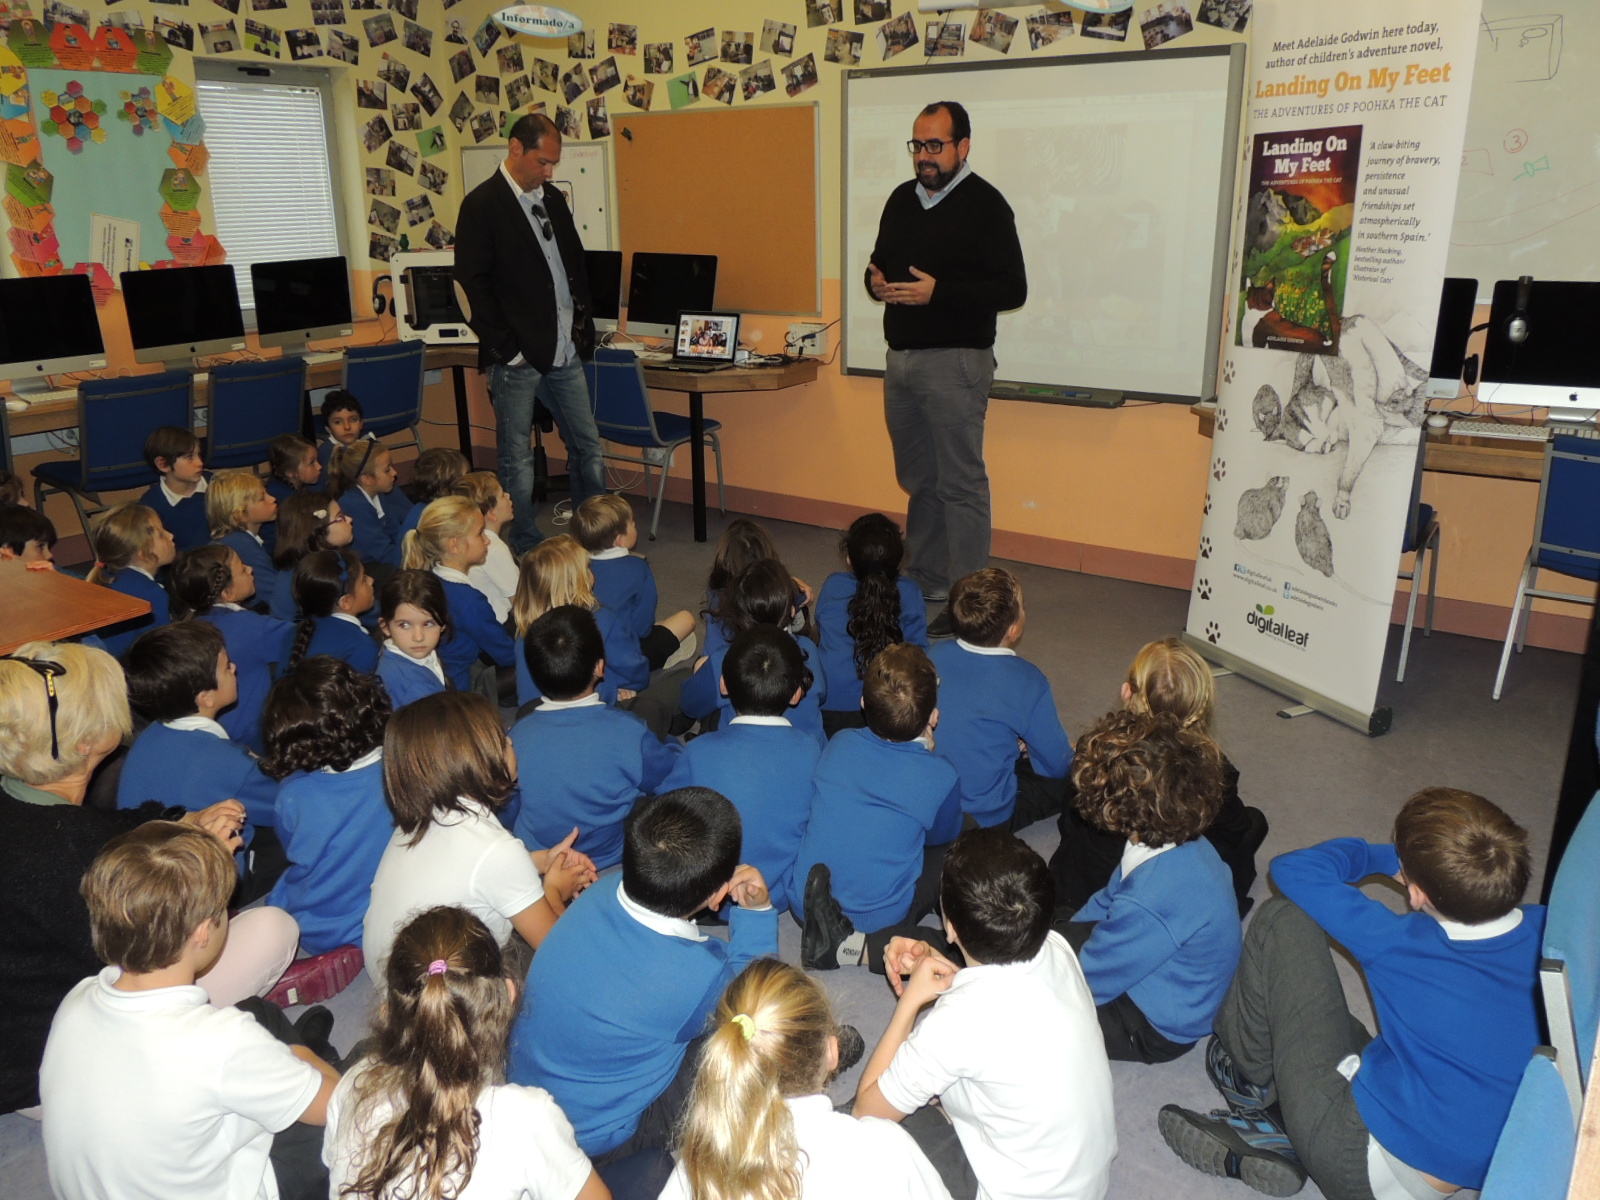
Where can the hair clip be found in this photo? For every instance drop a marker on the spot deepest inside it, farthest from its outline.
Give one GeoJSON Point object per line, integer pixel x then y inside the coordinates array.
{"type": "Point", "coordinates": [438, 967]}
{"type": "Point", "coordinates": [320, 514]}
{"type": "Point", "coordinates": [745, 1024]}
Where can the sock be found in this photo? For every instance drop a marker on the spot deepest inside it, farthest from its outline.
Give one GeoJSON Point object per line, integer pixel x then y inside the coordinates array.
{"type": "Point", "coordinates": [852, 949]}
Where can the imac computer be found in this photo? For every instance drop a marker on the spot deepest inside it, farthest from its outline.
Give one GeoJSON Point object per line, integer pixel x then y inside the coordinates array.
{"type": "Point", "coordinates": [1457, 301]}
{"type": "Point", "coordinates": [178, 313]}
{"type": "Point", "coordinates": [660, 286]}
{"type": "Point", "coordinates": [48, 326]}
{"type": "Point", "coordinates": [428, 303]}
{"type": "Point", "coordinates": [302, 299]}
{"type": "Point", "coordinates": [1539, 353]}
{"type": "Point", "coordinates": [605, 288]}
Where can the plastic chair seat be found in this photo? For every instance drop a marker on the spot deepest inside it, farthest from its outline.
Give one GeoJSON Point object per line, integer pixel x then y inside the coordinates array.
{"type": "Point", "coordinates": [672, 430]}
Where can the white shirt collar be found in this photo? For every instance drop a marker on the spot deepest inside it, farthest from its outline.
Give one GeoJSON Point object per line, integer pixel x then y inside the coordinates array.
{"type": "Point", "coordinates": [671, 926]}
{"type": "Point", "coordinates": [1458, 932]}
{"type": "Point", "coordinates": [257, 537]}
{"type": "Point", "coordinates": [431, 662]}
{"type": "Point", "coordinates": [375, 501]}
{"type": "Point", "coordinates": [356, 621]}
{"type": "Point", "coordinates": [228, 606]}
{"type": "Point", "coordinates": [375, 755]}
{"type": "Point", "coordinates": [592, 700]}
{"type": "Point", "coordinates": [929, 200]}
{"type": "Point", "coordinates": [753, 720]}
{"type": "Point", "coordinates": [612, 552]}
{"type": "Point", "coordinates": [197, 722]}
{"type": "Point", "coordinates": [1134, 855]}
{"type": "Point", "coordinates": [453, 575]}
{"type": "Point", "coordinates": [966, 645]}
{"type": "Point", "coordinates": [516, 188]}
{"type": "Point", "coordinates": [142, 571]}
{"type": "Point", "coordinates": [173, 497]}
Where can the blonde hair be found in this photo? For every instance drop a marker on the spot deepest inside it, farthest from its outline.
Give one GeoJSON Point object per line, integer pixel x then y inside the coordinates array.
{"type": "Point", "coordinates": [347, 464]}
{"type": "Point", "coordinates": [600, 520]}
{"type": "Point", "coordinates": [120, 535]}
{"type": "Point", "coordinates": [482, 488]}
{"type": "Point", "coordinates": [1169, 677]}
{"type": "Point", "coordinates": [91, 702]}
{"type": "Point", "coordinates": [768, 1042]}
{"type": "Point", "coordinates": [228, 495]}
{"type": "Point", "coordinates": [554, 572]}
{"type": "Point", "coordinates": [447, 517]}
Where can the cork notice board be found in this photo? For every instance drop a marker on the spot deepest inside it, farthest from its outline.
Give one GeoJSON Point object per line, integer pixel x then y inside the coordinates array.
{"type": "Point", "coordinates": [740, 184]}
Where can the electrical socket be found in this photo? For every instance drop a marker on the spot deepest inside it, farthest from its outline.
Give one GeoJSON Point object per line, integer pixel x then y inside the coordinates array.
{"type": "Point", "coordinates": [808, 337]}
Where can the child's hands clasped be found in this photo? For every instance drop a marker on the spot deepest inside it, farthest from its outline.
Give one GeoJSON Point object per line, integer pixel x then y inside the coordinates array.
{"type": "Point", "coordinates": [224, 819]}
{"type": "Point", "coordinates": [566, 871]}
{"type": "Point", "coordinates": [746, 888]}
{"type": "Point", "coordinates": [929, 972]}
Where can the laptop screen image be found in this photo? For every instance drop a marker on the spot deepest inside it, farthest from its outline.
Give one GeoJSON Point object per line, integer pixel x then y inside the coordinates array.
{"type": "Point", "coordinates": [706, 337]}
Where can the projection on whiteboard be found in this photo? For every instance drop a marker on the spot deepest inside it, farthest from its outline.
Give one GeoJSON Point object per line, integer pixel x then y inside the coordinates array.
{"type": "Point", "coordinates": [1120, 170]}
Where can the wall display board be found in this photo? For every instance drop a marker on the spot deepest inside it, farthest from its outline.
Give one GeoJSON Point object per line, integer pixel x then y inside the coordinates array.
{"type": "Point", "coordinates": [584, 178]}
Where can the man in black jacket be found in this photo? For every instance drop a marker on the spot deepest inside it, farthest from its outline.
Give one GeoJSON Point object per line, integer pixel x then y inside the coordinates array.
{"type": "Point", "coordinates": [946, 263]}
{"type": "Point", "coordinates": [520, 262]}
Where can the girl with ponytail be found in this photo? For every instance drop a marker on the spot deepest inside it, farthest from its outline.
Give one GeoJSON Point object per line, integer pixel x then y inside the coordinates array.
{"type": "Point", "coordinates": [759, 1125]}
{"type": "Point", "coordinates": [332, 590]}
{"type": "Point", "coordinates": [449, 541]}
{"type": "Point", "coordinates": [131, 546]}
{"type": "Point", "coordinates": [428, 1114]}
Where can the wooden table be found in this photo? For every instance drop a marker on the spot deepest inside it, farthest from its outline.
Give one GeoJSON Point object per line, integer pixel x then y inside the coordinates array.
{"type": "Point", "coordinates": [47, 606]}
{"type": "Point", "coordinates": [698, 386]}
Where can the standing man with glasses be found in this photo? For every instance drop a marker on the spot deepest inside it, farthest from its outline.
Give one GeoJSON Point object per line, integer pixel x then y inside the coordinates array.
{"type": "Point", "coordinates": [519, 260]}
{"type": "Point", "coordinates": [946, 263]}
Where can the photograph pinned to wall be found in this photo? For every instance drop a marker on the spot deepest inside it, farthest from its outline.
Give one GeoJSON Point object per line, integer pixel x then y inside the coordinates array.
{"type": "Point", "coordinates": [372, 93]}
{"type": "Point", "coordinates": [944, 39]}
{"type": "Point", "coordinates": [569, 121]}
{"type": "Point", "coordinates": [255, 6]}
{"type": "Point", "coordinates": [599, 118]}
{"type": "Point", "coordinates": [623, 39]}
{"type": "Point", "coordinates": [379, 29]}
{"type": "Point", "coordinates": [738, 47]}
{"type": "Point", "coordinates": [574, 82]}
{"type": "Point", "coordinates": [434, 178]}
{"type": "Point", "coordinates": [869, 12]}
{"type": "Point", "coordinates": [821, 12]}
{"type": "Point", "coordinates": [180, 35]}
{"type": "Point", "coordinates": [637, 92]}
{"type": "Point", "coordinates": [231, 5]}
{"type": "Point", "coordinates": [344, 47]}
{"type": "Point", "coordinates": [361, 5]}
{"type": "Point", "coordinates": [844, 47]}
{"type": "Point", "coordinates": [263, 39]}
{"type": "Point", "coordinates": [406, 8]}
{"type": "Point", "coordinates": [375, 133]}
{"type": "Point", "coordinates": [1231, 15]}
{"type": "Point", "coordinates": [418, 210]}
{"type": "Point", "coordinates": [518, 92]}
{"type": "Point", "coordinates": [757, 80]}
{"type": "Point", "coordinates": [800, 75]}
{"type": "Point", "coordinates": [383, 216]}
{"type": "Point", "coordinates": [1113, 27]}
{"type": "Point", "coordinates": [545, 74]}
{"type": "Point", "coordinates": [720, 85]}
{"type": "Point", "coordinates": [1166, 22]}
{"type": "Point", "coordinates": [406, 118]}
{"type": "Point", "coordinates": [581, 45]}
{"type": "Point", "coordinates": [486, 89]}
{"type": "Point", "coordinates": [432, 141]}
{"type": "Point", "coordinates": [461, 64]}
{"type": "Point", "coordinates": [683, 90]}
{"type": "Point", "coordinates": [454, 32]}
{"type": "Point", "coordinates": [439, 237]}
{"type": "Point", "coordinates": [509, 57]}
{"type": "Point", "coordinates": [658, 58]}
{"type": "Point", "coordinates": [483, 125]}
{"type": "Point", "coordinates": [993, 29]}
{"type": "Point", "coordinates": [393, 72]}
{"type": "Point", "coordinates": [402, 158]}
{"type": "Point", "coordinates": [427, 94]}
{"type": "Point", "coordinates": [777, 38]}
{"type": "Point", "coordinates": [897, 36]}
{"type": "Point", "coordinates": [380, 246]}
{"type": "Point", "coordinates": [220, 37]}
{"type": "Point", "coordinates": [380, 181]}
{"type": "Point", "coordinates": [702, 47]}
{"type": "Point", "coordinates": [461, 112]}
{"type": "Point", "coordinates": [124, 18]}
{"type": "Point", "coordinates": [1047, 28]}
{"type": "Point", "coordinates": [327, 12]}
{"type": "Point", "coordinates": [304, 44]}
{"type": "Point", "coordinates": [485, 36]}
{"type": "Point", "coordinates": [419, 39]}
{"type": "Point", "coordinates": [605, 76]}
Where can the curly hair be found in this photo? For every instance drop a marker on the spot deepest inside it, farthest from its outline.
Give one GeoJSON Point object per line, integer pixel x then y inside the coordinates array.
{"type": "Point", "coordinates": [873, 547]}
{"type": "Point", "coordinates": [323, 714]}
{"type": "Point", "coordinates": [198, 579]}
{"type": "Point", "coordinates": [1147, 776]}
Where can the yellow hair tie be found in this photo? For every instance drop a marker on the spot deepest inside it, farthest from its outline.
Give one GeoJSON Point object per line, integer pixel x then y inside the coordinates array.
{"type": "Point", "coordinates": [745, 1024]}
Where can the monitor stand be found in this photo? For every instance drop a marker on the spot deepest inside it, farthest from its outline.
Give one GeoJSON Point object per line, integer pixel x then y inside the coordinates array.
{"type": "Point", "coordinates": [1570, 416]}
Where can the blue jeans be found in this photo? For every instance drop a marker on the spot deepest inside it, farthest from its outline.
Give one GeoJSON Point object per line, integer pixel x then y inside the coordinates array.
{"type": "Point", "coordinates": [566, 394]}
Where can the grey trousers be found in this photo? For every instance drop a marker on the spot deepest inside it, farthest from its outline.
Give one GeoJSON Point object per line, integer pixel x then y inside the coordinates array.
{"type": "Point", "coordinates": [1285, 1023]}
{"type": "Point", "coordinates": [934, 402]}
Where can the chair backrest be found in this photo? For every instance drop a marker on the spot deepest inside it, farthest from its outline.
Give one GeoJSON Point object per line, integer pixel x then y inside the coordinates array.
{"type": "Point", "coordinates": [1567, 535]}
{"type": "Point", "coordinates": [622, 410]}
{"type": "Point", "coordinates": [1533, 1158]}
{"type": "Point", "coordinates": [116, 415]}
{"type": "Point", "coordinates": [387, 379]}
{"type": "Point", "coordinates": [252, 403]}
{"type": "Point", "coordinates": [1570, 924]}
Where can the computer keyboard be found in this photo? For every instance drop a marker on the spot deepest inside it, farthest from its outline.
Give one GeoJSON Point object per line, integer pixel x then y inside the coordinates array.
{"type": "Point", "coordinates": [1588, 432]}
{"type": "Point", "coordinates": [1494, 429]}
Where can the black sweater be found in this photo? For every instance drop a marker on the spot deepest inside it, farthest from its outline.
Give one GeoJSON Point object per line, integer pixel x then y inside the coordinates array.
{"type": "Point", "coordinates": [968, 243]}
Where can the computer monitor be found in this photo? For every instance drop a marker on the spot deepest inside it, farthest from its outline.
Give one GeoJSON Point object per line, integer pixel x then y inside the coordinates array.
{"type": "Point", "coordinates": [605, 288]}
{"type": "Point", "coordinates": [660, 286]}
{"type": "Point", "coordinates": [1457, 301]}
{"type": "Point", "coordinates": [48, 326]}
{"type": "Point", "coordinates": [177, 313]}
{"type": "Point", "coordinates": [1539, 352]}
{"type": "Point", "coordinates": [301, 299]}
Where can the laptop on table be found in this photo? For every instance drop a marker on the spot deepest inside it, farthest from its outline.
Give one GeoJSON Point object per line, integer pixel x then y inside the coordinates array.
{"type": "Point", "coordinates": [705, 341]}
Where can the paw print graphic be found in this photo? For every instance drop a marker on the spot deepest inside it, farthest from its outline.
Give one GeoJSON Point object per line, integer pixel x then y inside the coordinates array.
{"type": "Point", "coordinates": [1208, 504]}
{"type": "Point", "coordinates": [1222, 419]}
{"type": "Point", "coordinates": [1219, 471]}
{"type": "Point", "coordinates": [1205, 547]}
{"type": "Point", "coordinates": [1213, 632]}
{"type": "Point", "coordinates": [1227, 371]}
{"type": "Point", "coordinates": [1202, 588]}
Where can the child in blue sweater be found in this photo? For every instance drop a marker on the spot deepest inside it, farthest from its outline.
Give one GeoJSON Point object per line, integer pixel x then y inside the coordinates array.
{"type": "Point", "coordinates": [292, 467]}
{"type": "Point", "coordinates": [449, 541]}
{"type": "Point", "coordinates": [1417, 1109]}
{"type": "Point", "coordinates": [594, 762]}
{"type": "Point", "coordinates": [343, 424]}
{"type": "Point", "coordinates": [238, 505]}
{"type": "Point", "coordinates": [332, 590]}
{"type": "Point", "coordinates": [1159, 944]}
{"type": "Point", "coordinates": [863, 609]}
{"type": "Point", "coordinates": [604, 526]}
{"type": "Point", "coordinates": [743, 542]}
{"type": "Point", "coordinates": [307, 521]}
{"type": "Point", "coordinates": [620, 1059]}
{"type": "Point", "coordinates": [178, 496]}
{"type": "Point", "coordinates": [324, 728]}
{"type": "Point", "coordinates": [362, 478]}
{"type": "Point", "coordinates": [884, 809]}
{"type": "Point", "coordinates": [130, 547]}
{"type": "Point", "coordinates": [758, 759]}
{"type": "Point", "coordinates": [435, 473]}
{"type": "Point", "coordinates": [415, 617]}
{"type": "Point", "coordinates": [992, 700]}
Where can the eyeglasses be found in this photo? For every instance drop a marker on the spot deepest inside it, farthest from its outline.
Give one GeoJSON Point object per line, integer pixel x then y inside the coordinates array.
{"type": "Point", "coordinates": [47, 671]}
{"type": "Point", "coordinates": [544, 221]}
{"type": "Point", "coordinates": [933, 146]}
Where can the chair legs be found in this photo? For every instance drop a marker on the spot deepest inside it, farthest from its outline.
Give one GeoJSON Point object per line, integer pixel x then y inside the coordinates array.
{"type": "Point", "coordinates": [1428, 550]}
{"type": "Point", "coordinates": [1517, 615]}
{"type": "Point", "coordinates": [42, 489]}
{"type": "Point", "coordinates": [722, 493]}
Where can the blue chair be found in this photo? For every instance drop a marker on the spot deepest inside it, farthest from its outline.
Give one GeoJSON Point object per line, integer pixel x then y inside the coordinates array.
{"type": "Point", "coordinates": [1569, 974]}
{"type": "Point", "coordinates": [624, 416]}
{"type": "Point", "coordinates": [114, 418]}
{"type": "Point", "coordinates": [1422, 538]}
{"type": "Point", "coordinates": [1533, 1158]}
{"type": "Point", "coordinates": [252, 403]}
{"type": "Point", "coordinates": [387, 379]}
{"type": "Point", "coordinates": [1566, 535]}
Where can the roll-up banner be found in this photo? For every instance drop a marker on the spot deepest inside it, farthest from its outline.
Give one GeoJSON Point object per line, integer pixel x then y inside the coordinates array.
{"type": "Point", "coordinates": [1355, 118]}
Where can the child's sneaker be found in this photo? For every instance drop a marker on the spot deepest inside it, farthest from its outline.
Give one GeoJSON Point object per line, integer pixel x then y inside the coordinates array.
{"type": "Point", "coordinates": [826, 926]}
{"type": "Point", "coordinates": [1249, 1147]}
{"type": "Point", "coordinates": [1239, 1092]}
{"type": "Point", "coordinates": [321, 977]}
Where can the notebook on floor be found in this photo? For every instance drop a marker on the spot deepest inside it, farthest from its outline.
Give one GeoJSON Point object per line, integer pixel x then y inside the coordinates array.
{"type": "Point", "coordinates": [705, 342]}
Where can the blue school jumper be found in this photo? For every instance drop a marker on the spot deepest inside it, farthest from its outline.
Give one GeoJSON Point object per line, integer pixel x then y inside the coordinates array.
{"type": "Point", "coordinates": [257, 645]}
{"type": "Point", "coordinates": [413, 515]}
{"type": "Point", "coordinates": [627, 587]}
{"type": "Point", "coordinates": [586, 767]}
{"type": "Point", "coordinates": [528, 690]}
{"type": "Point", "coordinates": [473, 631]}
{"type": "Point", "coordinates": [874, 807]}
{"type": "Point", "coordinates": [131, 581]}
{"type": "Point", "coordinates": [344, 639]}
{"type": "Point", "coordinates": [1168, 936]}
{"type": "Point", "coordinates": [988, 700]}
{"type": "Point", "coordinates": [334, 828]}
{"type": "Point", "coordinates": [405, 678]}
{"type": "Point", "coordinates": [612, 1005]}
{"type": "Point", "coordinates": [185, 521]}
{"type": "Point", "coordinates": [255, 556]}
{"type": "Point", "coordinates": [626, 665]}
{"type": "Point", "coordinates": [766, 769]}
{"type": "Point", "coordinates": [839, 648]}
{"type": "Point", "coordinates": [279, 491]}
{"type": "Point", "coordinates": [375, 538]}
{"type": "Point", "coordinates": [282, 604]}
{"type": "Point", "coordinates": [702, 693]}
{"type": "Point", "coordinates": [195, 768]}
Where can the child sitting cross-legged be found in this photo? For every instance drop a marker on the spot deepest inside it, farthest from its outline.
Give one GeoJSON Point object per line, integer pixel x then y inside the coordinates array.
{"type": "Point", "coordinates": [742, 543]}
{"type": "Point", "coordinates": [623, 582]}
{"type": "Point", "coordinates": [415, 618]}
{"type": "Point", "coordinates": [130, 548]}
{"type": "Point", "coordinates": [449, 541]}
{"type": "Point", "coordinates": [332, 589]}
{"type": "Point", "coordinates": [496, 577]}
{"type": "Point", "coordinates": [594, 761]}
{"type": "Point", "coordinates": [1416, 1110]}
{"type": "Point", "coordinates": [238, 506]}
{"type": "Point", "coordinates": [361, 477]}
{"type": "Point", "coordinates": [178, 495]}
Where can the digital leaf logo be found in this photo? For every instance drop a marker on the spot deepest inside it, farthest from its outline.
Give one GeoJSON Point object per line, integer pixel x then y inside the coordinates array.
{"type": "Point", "coordinates": [1266, 610]}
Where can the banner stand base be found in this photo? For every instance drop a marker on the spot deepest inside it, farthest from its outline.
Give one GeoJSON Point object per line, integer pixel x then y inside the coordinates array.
{"type": "Point", "coordinates": [1373, 724]}
{"type": "Point", "coordinates": [1295, 710]}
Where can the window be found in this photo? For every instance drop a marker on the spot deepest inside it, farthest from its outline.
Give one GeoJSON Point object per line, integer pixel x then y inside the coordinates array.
{"type": "Point", "coordinates": [271, 165]}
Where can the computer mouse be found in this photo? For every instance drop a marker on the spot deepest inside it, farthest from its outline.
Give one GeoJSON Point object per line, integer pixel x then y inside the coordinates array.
{"type": "Point", "coordinates": [1438, 421]}
{"type": "Point", "coordinates": [16, 405]}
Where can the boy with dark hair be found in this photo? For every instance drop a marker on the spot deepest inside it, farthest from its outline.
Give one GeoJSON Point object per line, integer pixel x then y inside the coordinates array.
{"type": "Point", "coordinates": [992, 701]}
{"type": "Point", "coordinates": [883, 809]}
{"type": "Point", "coordinates": [148, 1090]}
{"type": "Point", "coordinates": [1417, 1109]}
{"type": "Point", "coordinates": [594, 762]}
{"type": "Point", "coordinates": [27, 537]}
{"type": "Point", "coordinates": [179, 495]}
{"type": "Point", "coordinates": [343, 424]}
{"type": "Point", "coordinates": [1011, 1047]}
{"type": "Point", "coordinates": [759, 760]}
{"type": "Point", "coordinates": [620, 1059]}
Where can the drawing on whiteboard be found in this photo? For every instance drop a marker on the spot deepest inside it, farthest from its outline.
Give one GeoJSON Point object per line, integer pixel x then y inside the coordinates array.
{"type": "Point", "coordinates": [1530, 169]}
{"type": "Point", "coordinates": [1477, 162]}
{"type": "Point", "coordinates": [1523, 49]}
{"type": "Point", "coordinates": [1516, 141]}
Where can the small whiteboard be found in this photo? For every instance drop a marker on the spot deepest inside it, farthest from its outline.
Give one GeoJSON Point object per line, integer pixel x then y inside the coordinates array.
{"type": "Point", "coordinates": [584, 178]}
